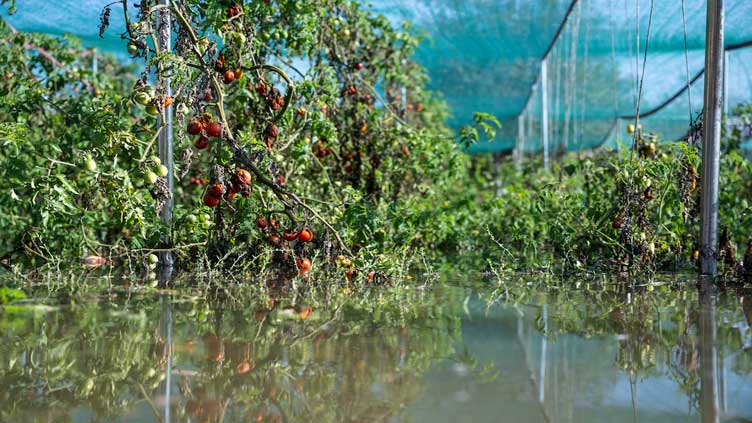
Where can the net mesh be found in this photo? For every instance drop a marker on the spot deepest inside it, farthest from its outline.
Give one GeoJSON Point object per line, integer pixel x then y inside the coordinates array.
{"type": "Point", "coordinates": [594, 65]}
{"type": "Point", "coordinates": [485, 55]}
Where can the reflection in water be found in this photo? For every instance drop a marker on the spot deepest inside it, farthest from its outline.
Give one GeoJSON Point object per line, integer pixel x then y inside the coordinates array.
{"type": "Point", "coordinates": [606, 355]}
{"type": "Point", "coordinates": [708, 351]}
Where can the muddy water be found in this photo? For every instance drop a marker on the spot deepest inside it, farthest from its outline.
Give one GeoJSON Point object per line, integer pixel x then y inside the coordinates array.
{"type": "Point", "coordinates": [606, 354]}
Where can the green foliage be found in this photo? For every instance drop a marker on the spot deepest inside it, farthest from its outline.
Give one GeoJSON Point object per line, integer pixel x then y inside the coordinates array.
{"type": "Point", "coordinates": [605, 210]}
{"type": "Point", "coordinates": [487, 123]}
{"type": "Point", "coordinates": [359, 142]}
{"type": "Point", "coordinates": [8, 295]}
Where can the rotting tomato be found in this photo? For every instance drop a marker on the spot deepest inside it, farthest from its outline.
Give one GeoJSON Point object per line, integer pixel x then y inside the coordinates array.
{"type": "Point", "coordinates": [290, 235]}
{"type": "Point", "coordinates": [195, 126]}
{"type": "Point", "coordinates": [201, 142]}
{"type": "Point", "coordinates": [244, 177]}
{"type": "Point", "coordinates": [274, 240]}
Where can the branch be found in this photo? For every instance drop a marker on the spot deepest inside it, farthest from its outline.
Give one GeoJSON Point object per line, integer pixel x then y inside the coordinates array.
{"type": "Point", "coordinates": [44, 53]}
{"type": "Point", "coordinates": [238, 152]}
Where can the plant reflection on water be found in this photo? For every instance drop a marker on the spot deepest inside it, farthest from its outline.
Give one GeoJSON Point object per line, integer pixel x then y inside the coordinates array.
{"type": "Point", "coordinates": [561, 355]}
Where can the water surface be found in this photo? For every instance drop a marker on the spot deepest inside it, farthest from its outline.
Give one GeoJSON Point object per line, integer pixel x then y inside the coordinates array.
{"type": "Point", "coordinates": [604, 354]}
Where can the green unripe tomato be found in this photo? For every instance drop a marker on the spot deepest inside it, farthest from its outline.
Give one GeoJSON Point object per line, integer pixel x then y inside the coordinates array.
{"type": "Point", "coordinates": [152, 109]}
{"type": "Point", "coordinates": [151, 177]}
{"type": "Point", "coordinates": [156, 160]}
{"type": "Point", "coordinates": [153, 258]}
{"type": "Point", "coordinates": [132, 49]}
{"type": "Point", "coordinates": [162, 170]}
{"type": "Point", "coordinates": [191, 219]}
{"type": "Point", "coordinates": [90, 164]}
{"type": "Point", "coordinates": [204, 218]}
{"type": "Point", "coordinates": [238, 38]}
{"type": "Point", "coordinates": [142, 98]}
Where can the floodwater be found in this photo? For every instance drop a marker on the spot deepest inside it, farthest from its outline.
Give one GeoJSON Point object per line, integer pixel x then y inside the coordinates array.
{"type": "Point", "coordinates": [599, 355]}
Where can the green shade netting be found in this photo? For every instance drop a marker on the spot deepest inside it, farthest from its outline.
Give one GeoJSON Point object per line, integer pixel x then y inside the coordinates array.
{"type": "Point", "coordinates": [485, 55]}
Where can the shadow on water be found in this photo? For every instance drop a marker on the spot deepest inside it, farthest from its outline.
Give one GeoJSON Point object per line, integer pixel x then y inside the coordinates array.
{"type": "Point", "coordinates": [623, 354]}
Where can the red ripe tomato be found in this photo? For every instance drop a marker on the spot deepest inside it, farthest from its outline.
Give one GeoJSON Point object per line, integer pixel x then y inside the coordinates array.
{"type": "Point", "coordinates": [261, 222]}
{"type": "Point", "coordinates": [214, 129]}
{"type": "Point", "coordinates": [211, 200]}
{"type": "Point", "coordinates": [305, 235]}
{"type": "Point", "coordinates": [195, 127]}
{"type": "Point", "coordinates": [290, 235]}
{"type": "Point", "coordinates": [244, 177]}
{"type": "Point", "coordinates": [229, 76]}
{"type": "Point", "coordinates": [234, 10]}
{"type": "Point", "coordinates": [280, 180]}
{"type": "Point", "coordinates": [201, 142]}
{"type": "Point", "coordinates": [215, 190]}
{"type": "Point", "coordinates": [359, 66]}
{"type": "Point", "coordinates": [304, 265]}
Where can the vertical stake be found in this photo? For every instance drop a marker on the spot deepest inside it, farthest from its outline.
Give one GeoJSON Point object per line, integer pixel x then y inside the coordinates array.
{"type": "Point", "coordinates": [164, 38]}
{"type": "Point", "coordinates": [520, 141]}
{"type": "Point", "coordinates": [711, 150]}
{"type": "Point", "coordinates": [544, 111]}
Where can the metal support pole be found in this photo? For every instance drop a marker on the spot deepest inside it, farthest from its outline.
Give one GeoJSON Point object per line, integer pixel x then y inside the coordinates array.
{"type": "Point", "coordinates": [726, 59]}
{"type": "Point", "coordinates": [544, 111]}
{"type": "Point", "coordinates": [164, 39]}
{"type": "Point", "coordinates": [497, 177]}
{"type": "Point", "coordinates": [617, 134]}
{"type": "Point", "coordinates": [711, 150]}
{"type": "Point", "coordinates": [520, 141]}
